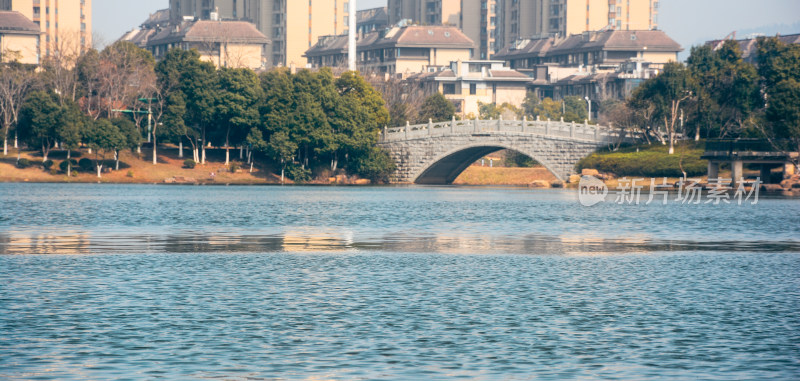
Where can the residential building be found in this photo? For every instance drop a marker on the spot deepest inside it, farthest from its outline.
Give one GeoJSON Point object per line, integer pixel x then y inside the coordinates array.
{"type": "Point", "coordinates": [480, 21]}
{"type": "Point", "coordinates": [527, 18]}
{"type": "Point", "coordinates": [234, 44]}
{"type": "Point", "coordinates": [370, 20]}
{"type": "Point", "coordinates": [598, 65]}
{"type": "Point", "coordinates": [399, 50]}
{"type": "Point", "coordinates": [292, 25]}
{"type": "Point", "coordinates": [469, 83]}
{"type": "Point", "coordinates": [60, 21]}
{"type": "Point", "coordinates": [154, 23]}
{"type": "Point", "coordinates": [425, 12]}
{"type": "Point", "coordinates": [19, 38]}
{"type": "Point", "coordinates": [749, 46]}
{"type": "Point", "coordinates": [605, 49]}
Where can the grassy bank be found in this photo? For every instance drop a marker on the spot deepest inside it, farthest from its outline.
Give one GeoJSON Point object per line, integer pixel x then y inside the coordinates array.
{"type": "Point", "coordinates": [650, 160]}
{"type": "Point", "coordinates": [478, 175]}
{"type": "Point", "coordinates": [135, 168]}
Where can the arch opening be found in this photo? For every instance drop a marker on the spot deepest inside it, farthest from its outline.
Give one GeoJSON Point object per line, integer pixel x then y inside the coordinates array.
{"type": "Point", "coordinates": [446, 169]}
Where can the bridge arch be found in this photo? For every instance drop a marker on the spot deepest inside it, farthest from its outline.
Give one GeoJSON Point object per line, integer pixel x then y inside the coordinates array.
{"type": "Point", "coordinates": [436, 153]}
{"type": "Point", "coordinates": [445, 168]}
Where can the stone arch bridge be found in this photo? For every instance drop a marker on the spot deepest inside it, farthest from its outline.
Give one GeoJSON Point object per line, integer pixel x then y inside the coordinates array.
{"type": "Point", "coordinates": [437, 153]}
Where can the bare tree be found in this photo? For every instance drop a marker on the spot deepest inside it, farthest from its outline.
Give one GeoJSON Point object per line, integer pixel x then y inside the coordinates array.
{"type": "Point", "coordinates": [16, 81]}
{"type": "Point", "coordinates": [60, 71]}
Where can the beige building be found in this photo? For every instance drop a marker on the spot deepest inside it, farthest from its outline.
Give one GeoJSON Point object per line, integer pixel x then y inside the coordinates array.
{"type": "Point", "coordinates": [469, 83]}
{"type": "Point", "coordinates": [481, 21]}
{"type": "Point", "coordinates": [19, 38]}
{"type": "Point", "coordinates": [425, 12]}
{"type": "Point", "coordinates": [399, 50]}
{"type": "Point", "coordinates": [58, 20]}
{"type": "Point", "coordinates": [292, 25]}
{"type": "Point", "coordinates": [234, 44]}
{"type": "Point", "coordinates": [530, 18]}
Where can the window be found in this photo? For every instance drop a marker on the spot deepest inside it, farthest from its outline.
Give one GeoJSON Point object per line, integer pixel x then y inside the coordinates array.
{"type": "Point", "coordinates": [473, 89]}
{"type": "Point", "coordinates": [449, 88]}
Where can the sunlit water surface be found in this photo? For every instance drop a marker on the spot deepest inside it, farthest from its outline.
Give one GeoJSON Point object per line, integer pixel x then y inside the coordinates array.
{"type": "Point", "coordinates": [404, 283]}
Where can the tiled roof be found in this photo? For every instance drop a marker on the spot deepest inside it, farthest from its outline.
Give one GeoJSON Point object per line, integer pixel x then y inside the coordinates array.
{"type": "Point", "coordinates": [160, 17]}
{"type": "Point", "coordinates": [12, 21]}
{"type": "Point", "coordinates": [749, 46]}
{"type": "Point", "coordinates": [211, 31]}
{"type": "Point", "coordinates": [448, 37]}
{"type": "Point", "coordinates": [621, 40]}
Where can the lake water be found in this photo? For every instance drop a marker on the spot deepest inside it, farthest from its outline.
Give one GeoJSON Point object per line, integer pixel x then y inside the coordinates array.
{"type": "Point", "coordinates": [137, 281]}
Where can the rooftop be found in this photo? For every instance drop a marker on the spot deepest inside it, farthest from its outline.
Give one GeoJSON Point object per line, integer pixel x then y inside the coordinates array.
{"type": "Point", "coordinates": [447, 37]}
{"type": "Point", "coordinates": [13, 21]}
{"type": "Point", "coordinates": [210, 31]}
{"type": "Point", "coordinates": [611, 40]}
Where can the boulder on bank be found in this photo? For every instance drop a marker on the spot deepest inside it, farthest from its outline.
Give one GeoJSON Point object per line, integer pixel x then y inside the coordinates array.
{"type": "Point", "coordinates": [180, 180]}
{"type": "Point", "coordinates": [590, 172]}
{"type": "Point", "coordinates": [574, 179]}
{"type": "Point", "coordinates": [539, 184]}
{"type": "Point", "coordinates": [557, 184]}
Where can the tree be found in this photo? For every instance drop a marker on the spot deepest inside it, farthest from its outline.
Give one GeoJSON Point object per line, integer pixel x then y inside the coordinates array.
{"type": "Point", "coordinates": [665, 93]}
{"type": "Point", "coordinates": [437, 108]}
{"type": "Point", "coordinates": [124, 70]}
{"type": "Point", "coordinates": [16, 81]}
{"type": "Point", "coordinates": [360, 115]}
{"type": "Point", "coordinates": [493, 111]}
{"type": "Point", "coordinates": [129, 137]}
{"type": "Point", "coordinates": [103, 137]}
{"type": "Point", "coordinates": [73, 122]}
{"type": "Point", "coordinates": [60, 66]}
{"type": "Point", "coordinates": [779, 68]}
{"type": "Point", "coordinates": [727, 90]}
{"type": "Point", "coordinates": [196, 80]}
{"type": "Point", "coordinates": [548, 109]}
{"type": "Point", "coordinates": [236, 107]}
{"type": "Point", "coordinates": [529, 104]}
{"type": "Point", "coordinates": [575, 109]}
{"type": "Point", "coordinates": [88, 68]}
{"type": "Point", "coordinates": [39, 120]}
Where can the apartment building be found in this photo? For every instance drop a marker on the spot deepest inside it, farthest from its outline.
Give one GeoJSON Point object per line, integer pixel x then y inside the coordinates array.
{"type": "Point", "coordinates": [425, 12]}
{"type": "Point", "coordinates": [66, 21]}
{"type": "Point", "coordinates": [293, 26]}
{"type": "Point", "coordinates": [527, 18]}
{"type": "Point", "coordinates": [19, 38]}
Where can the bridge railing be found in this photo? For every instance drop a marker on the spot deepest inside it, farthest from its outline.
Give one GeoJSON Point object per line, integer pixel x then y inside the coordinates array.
{"type": "Point", "coordinates": [575, 131]}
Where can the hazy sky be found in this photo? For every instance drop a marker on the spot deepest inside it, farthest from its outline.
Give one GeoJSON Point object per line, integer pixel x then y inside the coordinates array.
{"type": "Point", "coordinates": [687, 21]}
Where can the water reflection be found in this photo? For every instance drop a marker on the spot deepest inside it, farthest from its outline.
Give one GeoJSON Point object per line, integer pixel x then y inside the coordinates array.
{"type": "Point", "coordinates": [73, 242]}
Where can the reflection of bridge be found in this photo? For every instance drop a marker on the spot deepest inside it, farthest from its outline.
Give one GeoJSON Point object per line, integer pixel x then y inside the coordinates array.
{"type": "Point", "coordinates": [436, 153]}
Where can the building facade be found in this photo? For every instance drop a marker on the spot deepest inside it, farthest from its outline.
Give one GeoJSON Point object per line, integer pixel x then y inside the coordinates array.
{"type": "Point", "coordinates": [19, 39]}
{"type": "Point", "coordinates": [399, 50]}
{"type": "Point", "coordinates": [469, 83]}
{"type": "Point", "coordinates": [60, 21]}
{"type": "Point", "coordinates": [425, 12]}
{"type": "Point", "coordinates": [234, 44]}
{"type": "Point", "coordinates": [293, 26]}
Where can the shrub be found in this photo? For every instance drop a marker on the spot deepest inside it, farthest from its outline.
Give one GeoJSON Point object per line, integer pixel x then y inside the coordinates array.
{"type": "Point", "coordinates": [234, 167]}
{"type": "Point", "coordinates": [375, 165]}
{"type": "Point", "coordinates": [74, 173]}
{"type": "Point", "coordinates": [130, 174]}
{"type": "Point", "coordinates": [53, 171]}
{"type": "Point", "coordinates": [189, 163]}
{"type": "Point", "coordinates": [298, 174]}
{"type": "Point", "coordinates": [86, 165]}
{"type": "Point", "coordinates": [23, 163]}
{"type": "Point", "coordinates": [649, 161]}
{"type": "Point", "coordinates": [63, 165]}
{"type": "Point", "coordinates": [47, 164]}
